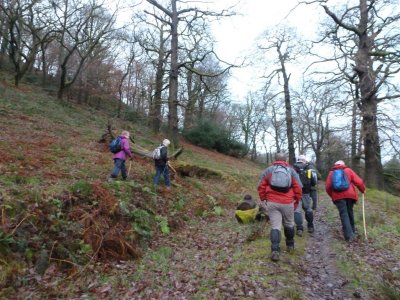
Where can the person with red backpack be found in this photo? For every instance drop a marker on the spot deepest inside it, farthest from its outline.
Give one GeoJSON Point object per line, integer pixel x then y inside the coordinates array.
{"type": "Point", "coordinates": [340, 186]}
{"type": "Point", "coordinates": [280, 188]}
{"type": "Point", "coordinates": [121, 151]}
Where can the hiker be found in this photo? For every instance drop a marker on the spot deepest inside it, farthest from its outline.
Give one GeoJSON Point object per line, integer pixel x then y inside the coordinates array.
{"type": "Point", "coordinates": [248, 211]}
{"type": "Point", "coordinates": [307, 179]}
{"type": "Point", "coordinates": [120, 157]}
{"type": "Point", "coordinates": [280, 188]}
{"type": "Point", "coordinates": [314, 190]}
{"type": "Point", "coordinates": [161, 163]}
{"type": "Point", "coordinates": [340, 186]}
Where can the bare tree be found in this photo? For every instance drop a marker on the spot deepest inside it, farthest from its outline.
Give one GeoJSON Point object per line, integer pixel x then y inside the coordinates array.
{"type": "Point", "coordinates": [22, 38]}
{"type": "Point", "coordinates": [287, 46]}
{"type": "Point", "coordinates": [367, 32]}
{"type": "Point", "coordinates": [174, 17]}
{"type": "Point", "coordinates": [317, 106]}
{"type": "Point", "coordinates": [81, 28]}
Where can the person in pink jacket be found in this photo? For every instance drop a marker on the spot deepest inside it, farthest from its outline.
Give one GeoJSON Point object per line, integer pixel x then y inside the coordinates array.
{"type": "Point", "coordinates": [345, 200]}
{"type": "Point", "coordinates": [120, 157]}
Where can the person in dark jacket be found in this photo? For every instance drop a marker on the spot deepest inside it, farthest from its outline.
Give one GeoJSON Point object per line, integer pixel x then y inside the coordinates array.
{"type": "Point", "coordinates": [280, 205]}
{"type": "Point", "coordinates": [303, 168]}
{"type": "Point", "coordinates": [314, 189]}
{"type": "Point", "coordinates": [161, 165]}
{"type": "Point", "coordinates": [345, 200]}
{"type": "Point", "coordinates": [120, 157]}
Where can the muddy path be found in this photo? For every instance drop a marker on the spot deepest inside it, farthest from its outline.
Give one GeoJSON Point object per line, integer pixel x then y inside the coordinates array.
{"type": "Point", "coordinates": [321, 279]}
{"type": "Point", "coordinates": [219, 259]}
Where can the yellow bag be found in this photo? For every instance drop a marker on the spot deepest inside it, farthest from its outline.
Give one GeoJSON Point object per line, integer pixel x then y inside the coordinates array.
{"type": "Point", "coordinates": [246, 216]}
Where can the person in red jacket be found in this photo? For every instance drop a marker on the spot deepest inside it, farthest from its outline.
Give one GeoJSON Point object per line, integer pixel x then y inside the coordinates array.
{"type": "Point", "coordinates": [345, 200]}
{"type": "Point", "coordinates": [281, 189]}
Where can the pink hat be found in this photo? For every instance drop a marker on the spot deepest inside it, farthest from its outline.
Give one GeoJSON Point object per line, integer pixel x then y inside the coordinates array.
{"type": "Point", "coordinates": [340, 162]}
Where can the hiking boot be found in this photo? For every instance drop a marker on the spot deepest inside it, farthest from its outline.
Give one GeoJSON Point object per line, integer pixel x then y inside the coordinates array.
{"type": "Point", "coordinates": [310, 229]}
{"type": "Point", "coordinates": [290, 249]}
{"type": "Point", "coordinates": [299, 232]}
{"type": "Point", "coordinates": [275, 256]}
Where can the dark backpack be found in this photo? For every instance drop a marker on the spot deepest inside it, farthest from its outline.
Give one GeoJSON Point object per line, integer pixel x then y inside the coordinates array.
{"type": "Point", "coordinates": [116, 145]}
{"type": "Point", "coordinates": [340, 182]}
{"type": "Point", "coordinates": [306, 178]}
{"type": "Point", "coordinates": [281, 179]}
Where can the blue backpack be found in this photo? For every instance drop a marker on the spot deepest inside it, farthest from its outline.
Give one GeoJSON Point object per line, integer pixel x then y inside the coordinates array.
{"type": "Point", "coordinates": [115, 146]}
{"type": "Point", "coordinates": [340, 182]}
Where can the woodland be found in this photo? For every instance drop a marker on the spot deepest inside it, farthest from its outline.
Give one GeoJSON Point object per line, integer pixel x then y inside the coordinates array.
{"type": "Point", "coordinates": [75, 73]}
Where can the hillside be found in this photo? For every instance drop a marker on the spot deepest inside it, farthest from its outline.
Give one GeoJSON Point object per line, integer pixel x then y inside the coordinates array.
{"type": "Point", "coordinates": [66, 232]}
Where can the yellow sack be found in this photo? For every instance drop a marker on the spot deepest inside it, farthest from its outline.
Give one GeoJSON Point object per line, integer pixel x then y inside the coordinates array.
{"type": "Point", "coordinates": [246, 216]}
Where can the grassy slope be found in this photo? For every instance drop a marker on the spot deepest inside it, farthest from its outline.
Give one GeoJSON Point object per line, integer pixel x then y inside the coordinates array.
{"type": "Point", "coordinates": [50, 160]}
{"type": "Point", "coordinates": [372, 265]}
{"type": "Point", "coordinates": [52, 179]}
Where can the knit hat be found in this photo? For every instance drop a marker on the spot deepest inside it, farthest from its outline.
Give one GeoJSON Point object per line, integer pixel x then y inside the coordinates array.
{"type": "Point", "coordinates": [302, 158]}
{"type": "Point", "coordinates": [340, 162]}
{"type": "Point", "coordinates": [166, 142]}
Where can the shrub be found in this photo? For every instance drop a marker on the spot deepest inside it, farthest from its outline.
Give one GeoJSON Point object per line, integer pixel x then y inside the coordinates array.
{"type": "Point", "coordinates": [213, 136]}
{"type": "Point", "coordinates": [392, 175]}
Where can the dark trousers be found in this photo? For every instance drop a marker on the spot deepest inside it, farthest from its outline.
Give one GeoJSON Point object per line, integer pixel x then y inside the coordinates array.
{"type": "Point", "coordinates": [119, 165]}
{"type": "Point", "coordinates": [345, 207]}
{"type": "Point", "coordinates": [314, 197]}
{"type": "Point", "coordinates": [162, 170]}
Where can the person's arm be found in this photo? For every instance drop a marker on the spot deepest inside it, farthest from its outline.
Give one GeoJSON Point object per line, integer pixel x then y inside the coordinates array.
{"type": "Point", "coordinates": [296, 177]}
{"type": "Point", "coordinates": [357, 181]}
{"type": "Point", "coordinates": [164, 153]}
{"type": "Point", "coordinates": [126, 148]}
{"type": "Point", "coordinates": [298, 191]}
{"type": "Point", "coordinates": [328, 184]}
{"type": "Point", "coordinates": [262, 188]}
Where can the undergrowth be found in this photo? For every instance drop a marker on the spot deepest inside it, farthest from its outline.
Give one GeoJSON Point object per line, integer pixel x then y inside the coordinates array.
{"type": "Point", "coordinates": [59, 215]}
{"type": "Point", "coordinates": [369, 264]}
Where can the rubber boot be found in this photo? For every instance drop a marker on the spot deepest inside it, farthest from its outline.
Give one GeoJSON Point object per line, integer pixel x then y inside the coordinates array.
{"type": "Point", "coordinates": [275, 237]}
{"type": "Point", "coordinates": [289, 234]}
{"type": "Point", "coordinates": [298, 219]}
{"type": "Point", "coordinates": [310, 220]}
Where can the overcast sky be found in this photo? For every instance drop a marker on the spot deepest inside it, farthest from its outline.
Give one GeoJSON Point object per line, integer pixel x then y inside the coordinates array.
{"type": "Point", "coordinates": [236, 35]}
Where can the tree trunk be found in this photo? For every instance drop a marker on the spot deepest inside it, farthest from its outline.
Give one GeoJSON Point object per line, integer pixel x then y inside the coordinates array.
{"type": "Point", "coordinates": [173, 130]}
{"type": "Point", "coordinates": [369, 103]}
{"type": "Point", "coordinates": [288, 110]}
{"type": "Point", "coordinates": [191, 102]}
{"type": "Point", "coordinates": [156, 107]}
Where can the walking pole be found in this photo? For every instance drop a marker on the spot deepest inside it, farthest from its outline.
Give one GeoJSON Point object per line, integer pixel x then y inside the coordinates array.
{"type": "Point", "coordinates": [171, 167]}
{"type": "Point", "coordinates": [363, 213]}
{"type": "Point", "coordinates": [129, 169]}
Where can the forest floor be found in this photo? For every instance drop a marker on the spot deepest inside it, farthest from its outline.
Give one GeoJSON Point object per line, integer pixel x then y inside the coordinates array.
{"type": "Point", "coordinates": [67, 233]}
{"type": "Point", "coordinates": [216, 258]}
{"type": "Point", "coordinates": [223, 260]}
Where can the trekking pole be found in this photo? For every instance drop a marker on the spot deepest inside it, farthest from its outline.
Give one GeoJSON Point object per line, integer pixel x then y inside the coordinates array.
{"type": "Point", "coordinates": [129, 169]}
{"type": "Point", "coordinates": [363, 213]}
{"type": "Point", "coordinates": [171, 167]}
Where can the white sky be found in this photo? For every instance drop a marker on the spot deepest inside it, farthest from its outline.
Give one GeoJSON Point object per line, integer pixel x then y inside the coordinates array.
{"type": "Point", "coordinates": [236, 35]}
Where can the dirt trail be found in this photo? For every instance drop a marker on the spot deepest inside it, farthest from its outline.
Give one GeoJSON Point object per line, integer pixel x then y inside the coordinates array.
{"type": "Point", "coordinates": [203, 257]}
{"type": "Point", "coordinates": [321, 279]}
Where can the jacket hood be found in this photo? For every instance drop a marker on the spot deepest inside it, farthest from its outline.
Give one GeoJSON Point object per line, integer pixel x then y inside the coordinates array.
{"type": "Point", "coordinates": [335, 167]}
{"type": "Point", "coordinates": [281, 162]}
